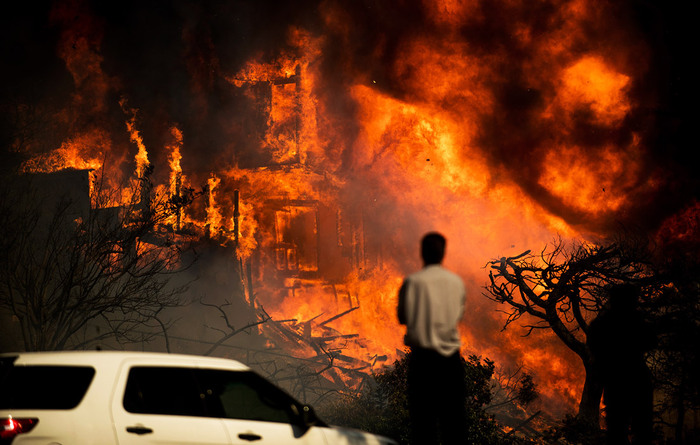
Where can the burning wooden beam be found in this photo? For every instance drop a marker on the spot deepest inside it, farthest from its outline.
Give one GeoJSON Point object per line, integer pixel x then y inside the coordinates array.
{"type": "Point", "coordinates": [335, 317]}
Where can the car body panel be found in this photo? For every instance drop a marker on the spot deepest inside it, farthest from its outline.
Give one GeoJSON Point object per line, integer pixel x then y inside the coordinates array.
{"type": "Point", "coordinates": [267, 433]}
{"type": "Point", "coordinates": [140, 429]}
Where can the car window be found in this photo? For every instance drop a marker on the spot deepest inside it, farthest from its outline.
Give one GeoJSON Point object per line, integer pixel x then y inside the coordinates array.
{"type": "Point", "coordinates": [245, 395]}
{"type": "Point", "coordinates": [6, 363]}
{"type": "Point", "coordinates": [163, 390]}
{"type": "Point", "coordinates": [43, 387]}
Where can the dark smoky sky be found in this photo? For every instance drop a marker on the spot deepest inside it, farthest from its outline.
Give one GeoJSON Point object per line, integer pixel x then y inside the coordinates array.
{"type": "Point", "coordinates": [169, 58]}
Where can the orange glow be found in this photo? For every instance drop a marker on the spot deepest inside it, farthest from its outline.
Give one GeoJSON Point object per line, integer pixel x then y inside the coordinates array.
{"type": "Point", "coordinates": [282, 140]}
{"type": "Point", "coordinates": [248, 228]}
{"type": "Point", "coordinates": [591, 82]}
{"type": "Point", "coordinates": [444, 74]}
{"type": "Point", "coordinates": [80, 48]}
{"type": "Point", "coordinates": [450, 12]}
{"type": "Point", "coordinates": [682, 228]}
{"type": "Point", "coordinates": [595, 182]}
{"type": "Point", "coordinates": [370, 302]}
{"type": "Point", "coordinates": [421, 140]}
{"type": "Point", "coordinates": [174, 159]}
{"type": "Point", "coordinates": [141, 156]}
{"type": "Point", "coordinates": [82, 152]}
{"type": "Point", "coordinates": [261, 72]}
{"type": "Point", "coordinates": [213, 214]}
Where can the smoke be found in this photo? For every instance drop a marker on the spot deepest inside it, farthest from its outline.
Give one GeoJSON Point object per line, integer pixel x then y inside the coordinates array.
{"type": "Point", "coordinates": [517, 53]}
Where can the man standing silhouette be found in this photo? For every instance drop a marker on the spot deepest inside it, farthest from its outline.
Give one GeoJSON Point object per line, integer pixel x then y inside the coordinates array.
{"type": "Point", "coordinates": [431, 304]}
{"type": "Point", "coordinates": [618, 339]}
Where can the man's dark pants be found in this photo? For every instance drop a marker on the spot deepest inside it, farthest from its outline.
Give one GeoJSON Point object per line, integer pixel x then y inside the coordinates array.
{"type": "Point", "coordinates": [629, 407]}
{"type": "Point", "coordinates": [436, 397]}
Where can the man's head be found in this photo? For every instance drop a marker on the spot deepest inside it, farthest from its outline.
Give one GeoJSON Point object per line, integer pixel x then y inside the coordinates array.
{"type": "Point", "coordinates": [432, 248]}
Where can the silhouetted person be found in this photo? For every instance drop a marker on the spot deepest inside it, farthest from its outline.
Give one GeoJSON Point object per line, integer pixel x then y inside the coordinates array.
{"type": "Point", "coordinates": [618, 339]}
{"type": "Point", "coordinates": [431, 304]}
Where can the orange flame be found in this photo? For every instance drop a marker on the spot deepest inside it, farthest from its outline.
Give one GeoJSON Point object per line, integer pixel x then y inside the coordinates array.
{"type": "Point", "coordinates": [71, 154]}
{"type": "Point", "coordinates": [591, 82]}
{"type": "Point", "coordinates": [213, 215]}
{"type": "Point", "coordinates": [141, 156]}
{"type": "Point", "coordinates": [248, 228]}
{"type": "Point", "coordinates": [174, 160]}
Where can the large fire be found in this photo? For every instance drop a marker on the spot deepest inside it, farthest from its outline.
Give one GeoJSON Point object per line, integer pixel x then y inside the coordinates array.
{"type": "Point", "coordinates": [500, 125]}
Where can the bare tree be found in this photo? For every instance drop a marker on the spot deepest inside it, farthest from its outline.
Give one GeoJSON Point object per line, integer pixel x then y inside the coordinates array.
{"type": "Point", "coordinates": [562, 289]}
{"type": "Point", "coordinates": [512, 389]}
{"type": "Point", "coordinates": [261, 316]}
{"type": "Point", "coordinates": [68, 260]}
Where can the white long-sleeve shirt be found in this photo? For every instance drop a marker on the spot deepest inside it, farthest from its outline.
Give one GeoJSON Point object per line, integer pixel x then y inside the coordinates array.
{"type": "Point", "coordinates": [431, 304]}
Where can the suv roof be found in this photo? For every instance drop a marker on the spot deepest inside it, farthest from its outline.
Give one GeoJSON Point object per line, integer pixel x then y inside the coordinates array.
{"type": "Point", "coordinates": [113, 357]}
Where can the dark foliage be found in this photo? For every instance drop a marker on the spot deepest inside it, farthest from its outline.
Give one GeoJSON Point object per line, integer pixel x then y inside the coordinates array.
{"type": "Point", "coordinates": [526, 389]}
{"type": "Point", "coordinates": [575, 430]}
{"type": "Point", "coordinates": [675, 313]}
{"type": "Point", "coordinates": [382, 408]}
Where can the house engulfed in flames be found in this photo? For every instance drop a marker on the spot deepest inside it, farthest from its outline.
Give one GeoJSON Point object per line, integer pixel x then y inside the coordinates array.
{"type": "Point", "coordinates": [280, 262]}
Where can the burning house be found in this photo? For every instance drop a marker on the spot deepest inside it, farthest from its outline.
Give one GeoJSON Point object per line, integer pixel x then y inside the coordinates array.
{"type": "Point", "coordinates": [294, 245]}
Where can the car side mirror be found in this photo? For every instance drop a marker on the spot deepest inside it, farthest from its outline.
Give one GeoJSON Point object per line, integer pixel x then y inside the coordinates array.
{"type": "Point", "coordinates": [306, 416]}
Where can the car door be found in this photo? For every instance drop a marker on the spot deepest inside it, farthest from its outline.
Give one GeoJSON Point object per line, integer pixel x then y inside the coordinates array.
{"type": "Point", "coordinates": [254, 410]}
{"type": "Point", "coordinates": [163, 405]}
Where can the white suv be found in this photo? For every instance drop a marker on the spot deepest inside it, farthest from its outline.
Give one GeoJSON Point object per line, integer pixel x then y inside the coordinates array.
{"type": "Point", "coordinates": [124, 398]}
